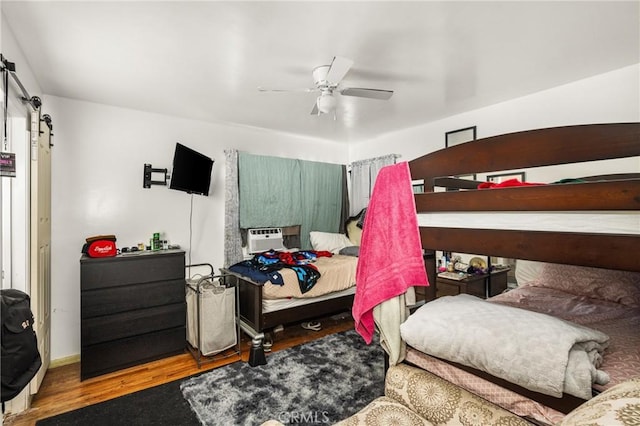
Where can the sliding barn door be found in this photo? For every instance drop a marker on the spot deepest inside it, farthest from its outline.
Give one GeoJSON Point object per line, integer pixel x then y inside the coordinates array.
{"type": "Point", "coordinates": [40, 252]}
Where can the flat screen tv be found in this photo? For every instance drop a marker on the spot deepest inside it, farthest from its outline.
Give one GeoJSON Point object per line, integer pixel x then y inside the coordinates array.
{"type": "Point", "coordinates": [191, 171]}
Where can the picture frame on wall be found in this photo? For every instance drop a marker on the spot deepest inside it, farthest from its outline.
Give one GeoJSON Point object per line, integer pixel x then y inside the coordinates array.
{"type": "Point", "coordinates": [418, 186]}
{"type": "Point", "coordinates": [471, 176]}
{"type": "Point", "coordinates": [505, 176]}
{"type": "Point", "coordinates": [456, 137]}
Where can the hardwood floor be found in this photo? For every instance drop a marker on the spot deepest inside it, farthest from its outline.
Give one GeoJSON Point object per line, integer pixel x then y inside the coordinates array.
{"type": "Point", "coordinates": [62, 390]}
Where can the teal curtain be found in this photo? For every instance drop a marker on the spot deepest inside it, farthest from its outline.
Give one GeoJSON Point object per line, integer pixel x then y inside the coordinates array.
{"type": "Point", "coordinates": [270, 193]}
{"type": "Point", "coordinates": [282, 192]}
{"type": "Point", "coordinates": [321, 198]}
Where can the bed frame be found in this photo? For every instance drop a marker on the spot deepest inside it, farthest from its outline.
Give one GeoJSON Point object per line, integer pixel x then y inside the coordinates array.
{"type": "Point", "coordinates": [544, 147]}
{"type": "Point", "coordinates": [255, 322]}
{"type": "Point", "coordinates": [251, 308]}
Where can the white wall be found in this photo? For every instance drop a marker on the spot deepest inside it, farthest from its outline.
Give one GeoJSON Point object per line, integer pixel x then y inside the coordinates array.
{"type": "Point", "coordinates": [610, 97]}
{"type": "Point", "coordinates": [100, 151]}
{"type": "Point", "coordinates": [98, 157]}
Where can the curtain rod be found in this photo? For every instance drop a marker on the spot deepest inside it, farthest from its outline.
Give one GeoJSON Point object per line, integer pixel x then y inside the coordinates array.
{"type": "Point", "coordinates": [371, 160]}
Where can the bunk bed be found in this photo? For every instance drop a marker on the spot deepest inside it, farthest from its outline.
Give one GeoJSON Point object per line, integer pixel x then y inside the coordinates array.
{"type": "Point", "coordinates": [558, 229]}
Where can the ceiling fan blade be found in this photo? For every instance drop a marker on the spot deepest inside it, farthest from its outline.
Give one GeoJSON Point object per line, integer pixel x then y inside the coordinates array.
{"type": "Point", "coordinates": [338, 69]}
{"type": "Point", "coordinates": [307, 90]}
{"type": "Point", "coordinates": [315, 110]}
{"type": "Point", "coordinates": [367, 93]}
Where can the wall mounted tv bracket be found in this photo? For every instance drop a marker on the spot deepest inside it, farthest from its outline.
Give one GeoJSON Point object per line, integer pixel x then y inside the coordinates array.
{"type": "Point", "coordinates": [148, 180]}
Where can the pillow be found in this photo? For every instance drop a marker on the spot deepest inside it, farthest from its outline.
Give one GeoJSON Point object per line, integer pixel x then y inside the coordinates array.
{"type": "Point", "coordinates": [354, 232]}
{"type": "Point", "coordinates": [622, 287]}
{"type": "Point", "coordinates": [327, 241]}
{"type": "Point", "coordinates": [350, 251]}
{"type": "Point", "coordinates": [527, 271]}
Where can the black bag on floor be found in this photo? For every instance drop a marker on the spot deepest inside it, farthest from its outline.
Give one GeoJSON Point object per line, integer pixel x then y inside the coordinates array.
{"type": "Point", "coordinates": [20, 356]}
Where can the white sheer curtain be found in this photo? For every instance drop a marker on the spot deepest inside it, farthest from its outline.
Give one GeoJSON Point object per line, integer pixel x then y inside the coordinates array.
{"type": "Point", "coordinates": [363, 177]}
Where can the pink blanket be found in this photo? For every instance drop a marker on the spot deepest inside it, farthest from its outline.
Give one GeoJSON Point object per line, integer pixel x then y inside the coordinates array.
{"type": "Point", "coordinates": [390, 259]}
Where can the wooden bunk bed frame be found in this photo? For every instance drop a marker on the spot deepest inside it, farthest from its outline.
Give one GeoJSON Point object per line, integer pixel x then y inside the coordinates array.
{"type": "Point", "coordinates": [535, 148]}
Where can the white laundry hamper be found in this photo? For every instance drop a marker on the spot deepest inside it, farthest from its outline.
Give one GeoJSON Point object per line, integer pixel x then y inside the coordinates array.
{"type": "Point", "coordinates": [211, 316]}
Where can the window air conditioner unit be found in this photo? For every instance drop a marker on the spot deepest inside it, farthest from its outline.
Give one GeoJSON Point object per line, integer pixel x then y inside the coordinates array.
{"type": "Point", "coordinates": [263, 239]}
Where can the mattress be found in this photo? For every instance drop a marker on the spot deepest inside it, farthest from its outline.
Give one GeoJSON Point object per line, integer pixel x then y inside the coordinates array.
{"type": "Point", "coordinates": [337, 273]}
{"type": "Point", "coordinates": [272, 305]}
{"type": "Point", "coordinates": [621, 323]}
{"type": "Point", "coordinates": [498, 395]}
{"type": "Point", "coordinates": [614, 222]}
{"type": "Point", "coordinates": [621, 360]}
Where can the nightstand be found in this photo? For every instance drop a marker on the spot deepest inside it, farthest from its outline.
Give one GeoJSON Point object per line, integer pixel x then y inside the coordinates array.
{"type": "Point", "coordinates": [425, 294]}
{"type": "Point", "coordinates": [476, 285]}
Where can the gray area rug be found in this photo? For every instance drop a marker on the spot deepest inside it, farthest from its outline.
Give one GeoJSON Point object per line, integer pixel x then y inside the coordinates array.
{"type": "Point", "coordinates": [320, 382]}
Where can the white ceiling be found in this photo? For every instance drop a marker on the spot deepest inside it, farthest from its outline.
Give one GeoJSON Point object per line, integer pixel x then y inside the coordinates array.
{"type": "Point", "coordinates": [205, 59]}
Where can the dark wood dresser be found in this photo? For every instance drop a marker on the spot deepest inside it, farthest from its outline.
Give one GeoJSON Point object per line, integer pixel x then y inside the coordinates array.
{"type": "Point", "coordinates": [133, 310]}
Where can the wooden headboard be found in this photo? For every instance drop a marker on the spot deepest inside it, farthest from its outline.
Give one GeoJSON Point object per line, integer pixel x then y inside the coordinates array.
{"type": "Point", "coordinates": [534, 148]}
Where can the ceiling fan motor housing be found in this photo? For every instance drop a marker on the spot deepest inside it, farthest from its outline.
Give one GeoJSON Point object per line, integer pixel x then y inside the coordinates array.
{"type": "Point", "coordinates": [320, 76]}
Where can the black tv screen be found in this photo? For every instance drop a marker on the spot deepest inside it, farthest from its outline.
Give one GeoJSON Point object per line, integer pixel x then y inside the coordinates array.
{"type": "Point", "coordinates": [191, 171]}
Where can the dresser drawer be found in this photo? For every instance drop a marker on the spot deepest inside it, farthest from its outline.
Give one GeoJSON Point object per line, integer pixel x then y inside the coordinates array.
{"type": "Point", "coordinates": [113, 300]}
{"type": "Point", "coordinates": [126, 270]}
{"type": "Point", "coordinates": [132, 323]}
{"type": "Point", "coordinates": [115, 355]}
{"type": "Point", "coordinates": [446, 288]}
{"type": "Point", "coordinates": [476, 288]}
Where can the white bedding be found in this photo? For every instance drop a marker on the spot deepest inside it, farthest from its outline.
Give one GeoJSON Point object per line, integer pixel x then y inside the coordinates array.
{"type": "Point", "coordinates": [533, 350]}
{"type": "Point", "coordinates": [338, 273]}
{"type": "Point", "coordinates": [272, 305]}
{"type": "Point", "coordinates": [615, 222]}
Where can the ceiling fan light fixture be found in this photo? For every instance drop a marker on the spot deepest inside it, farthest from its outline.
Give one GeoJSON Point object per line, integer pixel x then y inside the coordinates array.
{"type": "Point", "coordinates": [326, 103]}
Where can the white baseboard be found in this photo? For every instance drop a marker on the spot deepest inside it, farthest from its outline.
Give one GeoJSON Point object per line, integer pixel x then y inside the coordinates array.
{"type": "Point", "coordinates": [64, 361]}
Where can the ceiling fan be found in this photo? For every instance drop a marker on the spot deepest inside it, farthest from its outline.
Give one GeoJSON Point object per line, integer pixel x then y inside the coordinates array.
{"type": "Point", "coordinates": [327, 79]}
